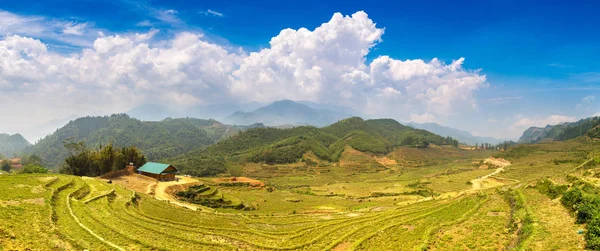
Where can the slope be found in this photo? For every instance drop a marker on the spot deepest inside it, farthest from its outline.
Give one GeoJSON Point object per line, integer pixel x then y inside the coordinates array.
{"type": "Point", "coordinates": [12, 144]}
{"type": "Point", "coordinates": [279, 146]}
{"type": "Point", "coordinates": [560, 132]}
{"type": "Point", "coordinates": [156, 140]}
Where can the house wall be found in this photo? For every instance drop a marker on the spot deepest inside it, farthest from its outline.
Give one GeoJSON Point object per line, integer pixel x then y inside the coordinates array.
{"type": "Point", "coordinates": [161, 177]}
{"type": "Point", "coordinates": [170, 176]}
{"type": "Point", "coordinates": [155, 176]}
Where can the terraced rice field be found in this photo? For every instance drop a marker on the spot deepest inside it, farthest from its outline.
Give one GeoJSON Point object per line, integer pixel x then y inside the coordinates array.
{"type": "Point", "coordinates": [85, 213]}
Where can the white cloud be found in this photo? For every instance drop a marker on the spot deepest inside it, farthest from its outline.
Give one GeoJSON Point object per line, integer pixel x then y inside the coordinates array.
{"type": "Point", "coordinates": [145, 23]}
{"type": "Point", "coordinates": [524, 123]}
{"type": "Point", "coordinates": [586, 101]}
{"type": "Point", "coordinates": [210, 12]}
{"type": "Point", "coordinates": [168, 16]}
{"type": "Point", "coordinates": [74, 29]}
{"type": "Point", "coordinates": [60, 31]}
{"type": "Point", "coordinates": [327, 64]}
{"type": "Point", "coordinates": [502, 100]}
{"type": "Point", "coordinates": [422, 118]}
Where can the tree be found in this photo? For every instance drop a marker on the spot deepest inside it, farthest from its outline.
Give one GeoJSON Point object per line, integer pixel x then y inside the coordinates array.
{"type": "Point", "coordinates": [476, 145]}
{"type": "Point", "coordinates": [36, 160]}
{"type": "Point", "coordinates": [5, 165]}
{"type": "Point", "coordinates": [88, 162]}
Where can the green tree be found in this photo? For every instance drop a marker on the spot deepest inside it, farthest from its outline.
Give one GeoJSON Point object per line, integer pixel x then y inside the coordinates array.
{"type": "Point", "coordinates": [5, 165]}
{"type": "Point", "coordinates": [36, 160]}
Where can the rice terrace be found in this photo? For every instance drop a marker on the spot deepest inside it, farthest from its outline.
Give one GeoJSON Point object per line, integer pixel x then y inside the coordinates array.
{"type": "Point", "coordinates": [445, 202]}
{"type": "Point", "coordinates": [299, 125]}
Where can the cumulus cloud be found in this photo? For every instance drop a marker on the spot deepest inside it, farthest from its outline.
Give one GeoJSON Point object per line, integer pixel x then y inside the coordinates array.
{"type": "Point", "coordinates": [327, 64]}
{"type": "Point", "coordinates": [524, 123]}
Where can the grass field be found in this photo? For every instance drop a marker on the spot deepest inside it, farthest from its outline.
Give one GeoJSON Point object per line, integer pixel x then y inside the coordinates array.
{"type": "Point", "coordinates": [421, 199]}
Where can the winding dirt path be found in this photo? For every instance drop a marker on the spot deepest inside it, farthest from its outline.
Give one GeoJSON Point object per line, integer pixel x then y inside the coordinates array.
{"type": "Point", "coordinates": [161, 194]}
{"type": "Point", "coordinates": [477, 183]}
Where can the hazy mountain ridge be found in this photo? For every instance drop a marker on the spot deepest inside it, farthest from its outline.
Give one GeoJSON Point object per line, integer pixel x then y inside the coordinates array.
{"type": "Point", "coordinates": [460, 135]}
{"type": "Point", "coordinates": [155, 112]}
{"type": "Point", "coordinates": [287, 112]}
{"type": "Point", "coordinates": [12, 144]}
{"type": "Point", "coordinates": [560, 132]}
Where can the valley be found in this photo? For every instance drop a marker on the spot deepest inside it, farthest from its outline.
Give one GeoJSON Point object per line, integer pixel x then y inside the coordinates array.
{"type": "Point", "coordinates": [437, 198]}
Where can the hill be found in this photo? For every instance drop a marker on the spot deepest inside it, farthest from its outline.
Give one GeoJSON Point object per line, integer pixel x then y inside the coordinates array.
{"type": "Point", "coordinates": [287, 112]}
{"type": "Point", "coordinates": [12, 144]}
{"type": "Point", "coordinates": [279, 146]}
{"type": "Point", "coordinates": [460, 135]}
{"type": "Point", "coordinates": [157, 140]}
{"type": "Point", "coordinates": [561, 132]}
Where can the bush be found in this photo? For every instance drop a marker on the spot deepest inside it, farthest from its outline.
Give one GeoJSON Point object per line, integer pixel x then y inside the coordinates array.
{"type": "Point", "coordinates": [586, 212]}
{"type": "Point", "coordinates": [572, 198]}
{"type": "Point", "coordinates": [31, 168]}
{"type": "Point", "coordinates": [548, 188]}
{"type": "Point", "coordinates": [592, 235]}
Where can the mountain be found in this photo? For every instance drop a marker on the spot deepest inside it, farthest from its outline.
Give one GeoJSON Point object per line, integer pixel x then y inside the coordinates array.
{"type": "Point", "coordinates": [330, 107]}
{"type": "Point", "coordinates": [286, 112]}
{"type": "Point", "coordinates": [462, 136]}
{"type": "Point", "coordinates": [12, 144]}
{"type": "Point", "coordinates": [564, 131]}
{"type": "Point", "coordinates": [155, 112]}
{"type": "Point", "coordinates": [274, 145]}
{"type": "Point", "coordinates": [157, 140]}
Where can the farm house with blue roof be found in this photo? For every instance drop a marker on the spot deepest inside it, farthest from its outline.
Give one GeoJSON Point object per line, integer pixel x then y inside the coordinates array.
{"type": "Point", "coordinates": [159, 171]}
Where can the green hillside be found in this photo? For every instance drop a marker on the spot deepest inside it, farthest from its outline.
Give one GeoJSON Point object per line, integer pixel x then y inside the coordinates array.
{"type": "Point", "coordinates": [157, 140]}
{"type": "Point", "coordinates": [12, 144]}
{"type": "Point", "coordinates": [561, 132]}
{"type": "Point", "coordinates": [280, 146]}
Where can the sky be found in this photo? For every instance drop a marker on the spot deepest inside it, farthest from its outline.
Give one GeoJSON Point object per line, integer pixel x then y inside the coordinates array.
{"type": "Point", "coordinates": [493, 68]}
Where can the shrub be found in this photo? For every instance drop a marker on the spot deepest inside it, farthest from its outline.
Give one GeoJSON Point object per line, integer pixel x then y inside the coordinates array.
{"type": "Point", "coordinates": [572, 198]}
{"type": "Point", "coordinates": [592, 235]}
{"type": "Point", "coordinates": [31, 168]}
{"type": "Point", "coordinates": [586, 212]}
{"type": "Point", "coordinates": [548, 188]}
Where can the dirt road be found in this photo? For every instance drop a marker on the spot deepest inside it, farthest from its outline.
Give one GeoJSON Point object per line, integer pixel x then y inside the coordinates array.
{"type": "Point", "coordinates": [161, 194]}
{"type": "Point", "coordinates": [477, 183]}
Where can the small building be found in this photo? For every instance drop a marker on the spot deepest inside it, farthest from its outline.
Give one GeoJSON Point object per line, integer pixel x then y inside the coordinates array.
{"type": "Point", "coordinates": [159, 171]}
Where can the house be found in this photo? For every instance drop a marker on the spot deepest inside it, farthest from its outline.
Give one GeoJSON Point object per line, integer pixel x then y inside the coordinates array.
{"type": "Point", "coordinates": [158, 171]}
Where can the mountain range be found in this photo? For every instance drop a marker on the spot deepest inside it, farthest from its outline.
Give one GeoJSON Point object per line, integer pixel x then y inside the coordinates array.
{"type": "Point", "coordinates": [157, 140]}
{"type": "Point", "coordinates": [287, 112]}
{"type": "Point", "coordinates": [563, 131]}
{"type": "Point", "coordinates": [462, 136]}
{"type": "Point", "coordinates": [278, 146]}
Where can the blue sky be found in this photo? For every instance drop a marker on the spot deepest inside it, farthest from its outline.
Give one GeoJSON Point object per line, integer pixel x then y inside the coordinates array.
{"type": "Point", "coordinates": [539, 57]}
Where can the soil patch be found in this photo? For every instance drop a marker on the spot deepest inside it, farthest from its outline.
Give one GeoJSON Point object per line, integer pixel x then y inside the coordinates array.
{"type": "Point", "coordinates": [342, 246]}
{"type": "Point", "coordinates": [37, 201]}
{"type": "Point", "coordinates": [234, 180]}
{"type": "Point", "coordinates": [496, 213]}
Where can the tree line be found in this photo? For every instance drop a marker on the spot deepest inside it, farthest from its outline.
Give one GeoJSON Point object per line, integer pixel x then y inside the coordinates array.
{"type": "Point", "coordinates": [84, 161]}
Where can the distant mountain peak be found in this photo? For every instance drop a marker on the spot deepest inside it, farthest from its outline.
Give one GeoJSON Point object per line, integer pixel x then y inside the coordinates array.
{"type": "Point", "coordinates": [286, 112]}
